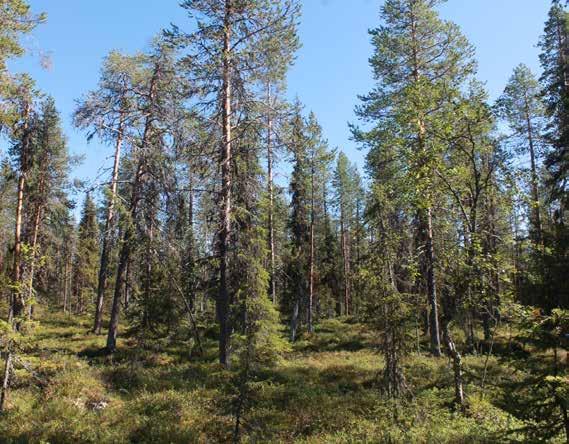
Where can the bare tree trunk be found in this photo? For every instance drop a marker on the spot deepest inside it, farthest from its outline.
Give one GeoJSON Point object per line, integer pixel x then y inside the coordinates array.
{"type": "Point", "coordinates": [535, 205]}
{"type": "Point", "coordinates": [6, 380]}
{"type": "Point", "coordinates": [223, 302]}
{"type": "Point", "coordinates": [431, 287]}
{"type": "Point", "coordinates": [457, 368]}
{"type": "Point", "coordinates": [311, 265]}
{"type": "Point", "coordinates": [346, 259]}
{"type": "Point", "coordinates": [109, 224]}
{"type": "Point", "coordinates": [34, 244]}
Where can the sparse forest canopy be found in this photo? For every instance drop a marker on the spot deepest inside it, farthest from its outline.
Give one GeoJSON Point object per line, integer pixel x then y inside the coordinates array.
{"type": "Point", "coordinates": [235, 278]}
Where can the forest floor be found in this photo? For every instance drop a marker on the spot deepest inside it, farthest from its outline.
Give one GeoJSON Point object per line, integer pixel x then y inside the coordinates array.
{"type": "Point", "coordinates": [324, 391]}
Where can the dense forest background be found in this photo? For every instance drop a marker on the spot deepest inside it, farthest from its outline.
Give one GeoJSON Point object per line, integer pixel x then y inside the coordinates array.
{"type": "Point", "coordinates": [200, 299]}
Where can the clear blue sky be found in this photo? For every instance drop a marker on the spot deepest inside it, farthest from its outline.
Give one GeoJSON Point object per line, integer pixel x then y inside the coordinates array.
{"type": "Point", "coordinates": [331, 69]}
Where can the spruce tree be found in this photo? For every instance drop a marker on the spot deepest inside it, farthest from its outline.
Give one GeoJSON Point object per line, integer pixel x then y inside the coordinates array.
{"type": "Point", "coordinates": [235, 43]}
{"type": "Point", "coordinates": [86, 256]}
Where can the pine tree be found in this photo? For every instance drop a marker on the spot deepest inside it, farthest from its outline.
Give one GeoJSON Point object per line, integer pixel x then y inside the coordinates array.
{"type": "Point", "coordinates": [523, 110]}
{"type": "Point", "coordinates": [108, 112]}
{"type": "Point", "coordinates": [419, 63]}
{"type": "Point", "coordinates": [17, 21]}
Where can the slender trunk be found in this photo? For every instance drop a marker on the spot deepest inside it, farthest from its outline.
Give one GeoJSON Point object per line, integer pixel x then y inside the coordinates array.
{"type": "Point", "coordinates": [311, 265]}
{"type": "Point", "coordinates": [431, 286]}
{"type": "Point", "coordinates": [109, 223]}
{"type": "Point", "coordinates": [65, 286]}
{"type": "Point", "coordinates": [191, 258]}
{"type": "Point", "coordinates": [127, 284]}
{"type": "Point", "coordinates": [535, 204]}
{"type": "Point", "coordinates": [6, 380]}
{"type": "Point", "coordinates": [270, 182]}
{"type": "Point", "coordinates": [17, 304]}
{"type": "Point", "coordinates": [34, 245]}
{"type": "Point", "coordinates": [129, 230]}
{"type": "Point", "coordinates": [294, 319]}
{"type": "Point", "coordinates": [124, 258]}
{"type": "Point", "coordinates": [223, 302]}
{"type": "Point", "coordinates": [346, 260]}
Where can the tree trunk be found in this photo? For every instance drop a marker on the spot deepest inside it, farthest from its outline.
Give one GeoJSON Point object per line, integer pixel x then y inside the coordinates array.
{"type": "Point", "coordinates": [270, 182]}
{"type": "Point", "coordinates": [457, 368]}
{"type": "Point", "coordinates": [311, 265]}
{"type": "Point", "coordinates": [431, 286]}
{"type": "Point", "coordinates": [6, 380]}
{"type": "Point", "coordinates": [223, 302]}
{"type": "Point", "coordinates": [34, 244]}
{"type": "Point", "coordinates": [346, 261]}
{"type": "Point", "coordinates": [17, 304]}
{"type": "Point", "coordinates": [129, 231]}
{"type": "Point", "coordinates": [109, 224]}
{"type": "Point", "coordinates": [124, 258]}
{"type": "Point", "coordinates": [535, 205]}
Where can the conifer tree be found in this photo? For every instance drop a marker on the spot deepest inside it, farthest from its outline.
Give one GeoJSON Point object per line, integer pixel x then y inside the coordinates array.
{"type": "Point", "coordinates": [523, 109]}
{"type": "Point", "coordinates": [554, 59]}
{"type": "Point", "coordinates": [346, 186]}
{"type": "Point", "coordinates": [108, 112]}
{"type": "Point", "coordinates": [419, 63]}
{"type": "Point", "coordinates": [299, 223]}
{"type": "Point", "coordinates": [86, 255]}
{"type": "Point", "coordinates": [227, 60]}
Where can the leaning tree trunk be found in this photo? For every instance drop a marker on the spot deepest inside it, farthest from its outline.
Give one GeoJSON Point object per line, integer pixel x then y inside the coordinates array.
{"type": "Point", "coordinates": [109, 223]}
{"type": "Point", "coordinates": [124, 258]}
{"type": "Point", "coordinates": [129, 231]}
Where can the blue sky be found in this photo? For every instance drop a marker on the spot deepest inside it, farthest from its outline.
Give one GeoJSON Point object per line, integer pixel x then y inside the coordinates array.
{"type": "Point", "coordinates": [331, 69]}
